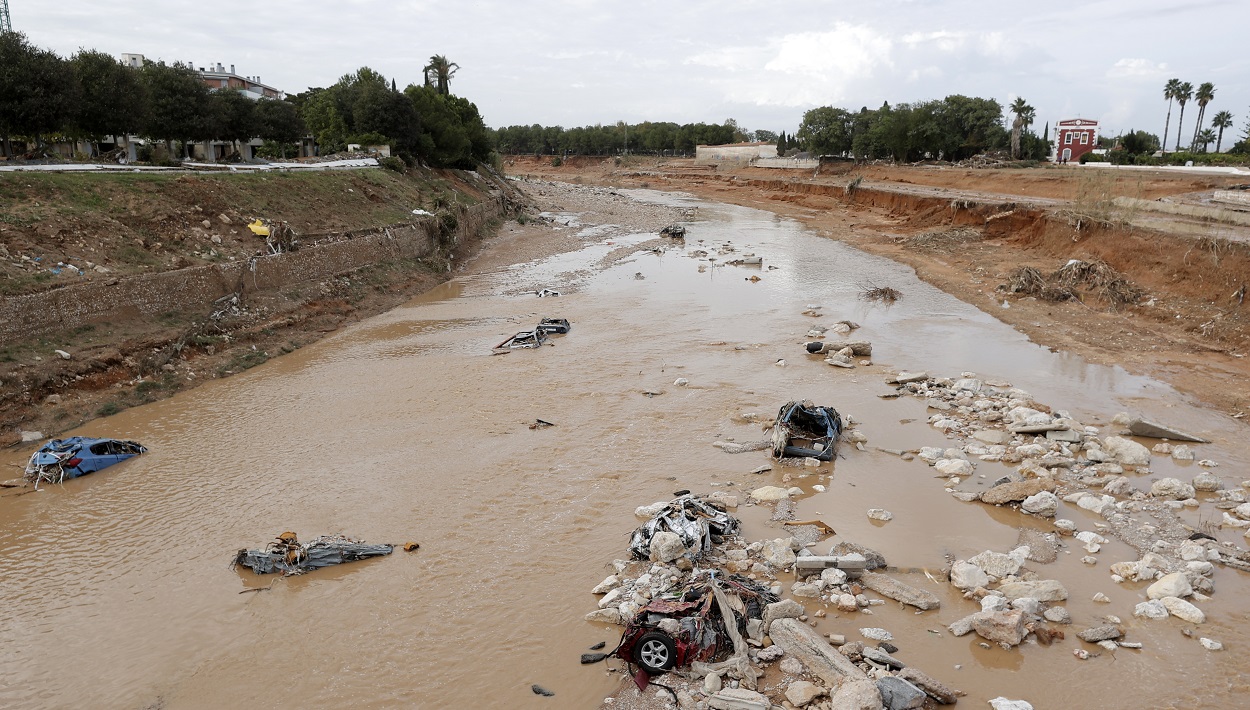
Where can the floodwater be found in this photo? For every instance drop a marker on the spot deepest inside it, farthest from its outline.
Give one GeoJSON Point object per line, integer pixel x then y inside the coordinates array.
{"type": "Point", "coordinates": [117, 589]}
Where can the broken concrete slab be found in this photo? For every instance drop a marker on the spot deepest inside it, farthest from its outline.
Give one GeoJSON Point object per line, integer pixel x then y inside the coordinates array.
{"type": "Point", "coordinates": [738, 699]}
{"type": "Point", "coordinates": [935, 689]}
{"type": "Point", "coordinates": [903, 378]}
{"type": "Point", "coordinates": [1155, 430]}
{"type": "Point", "coordinates": [821, 659]}
{"type": "Point", "coordinates": [898, 591]}
{"type": "Point", "coordinates": [853, 564]}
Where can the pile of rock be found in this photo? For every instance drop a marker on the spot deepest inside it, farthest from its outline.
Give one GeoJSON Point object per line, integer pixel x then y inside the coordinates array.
{"type": "Point", "coordinates": [1057, 459]}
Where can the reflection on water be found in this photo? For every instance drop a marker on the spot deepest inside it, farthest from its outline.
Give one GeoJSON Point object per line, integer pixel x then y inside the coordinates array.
{"type": "Point", "coordinates": [405, 427]}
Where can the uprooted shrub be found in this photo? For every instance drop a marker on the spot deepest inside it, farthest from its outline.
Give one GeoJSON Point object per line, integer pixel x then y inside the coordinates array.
{"type": "Point", "coordinates": [1069, 281]}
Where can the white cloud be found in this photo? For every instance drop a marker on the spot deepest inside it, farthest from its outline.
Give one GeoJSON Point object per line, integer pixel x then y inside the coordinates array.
{"type": "Point", "coordinates": [1137, 69]}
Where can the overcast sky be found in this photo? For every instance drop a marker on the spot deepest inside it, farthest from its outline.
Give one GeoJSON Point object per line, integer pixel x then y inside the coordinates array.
{"type": "Point", "coordinates": [763, 63]}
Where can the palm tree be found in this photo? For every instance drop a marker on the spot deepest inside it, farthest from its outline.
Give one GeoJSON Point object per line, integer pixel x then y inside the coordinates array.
{"type": "Point", "coordinates": [1024, 116]}
{"type": "Point", "coordinates": [1204, 95]}
{"type": "Point", "coordinates": [1204, 138]}
{"type": "Point", "coordinates": [442, 71]}
{"type": "Point", "coordinates": [1184, 93]}
{"type": "Point", "coordinates": [1170, 90]}
{"type": "Point", "coordinates": [1221, 120]}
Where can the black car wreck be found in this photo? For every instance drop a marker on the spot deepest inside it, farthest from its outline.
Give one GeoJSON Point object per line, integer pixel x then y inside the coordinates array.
{"type": "Point", "coordinates": [806, 430]}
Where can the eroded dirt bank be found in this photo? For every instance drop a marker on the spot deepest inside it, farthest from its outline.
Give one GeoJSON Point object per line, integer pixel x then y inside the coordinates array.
{"type": "Point", "coordinates": [152, 284]}
{"type": "Point", "coordinates": [966, 231]}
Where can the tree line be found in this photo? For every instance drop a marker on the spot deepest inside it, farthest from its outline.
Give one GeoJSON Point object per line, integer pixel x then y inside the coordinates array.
{"type": "Point", "coordinates": [652, 138]}
{"type": "Point", "coordinates": [93, 97]}
{"type": "Point", "coordinates": [952, 128]}
{"type": "Point", "coordinates": [1182, 92]}
{"type": "Point", "coordinates": [426, 122]}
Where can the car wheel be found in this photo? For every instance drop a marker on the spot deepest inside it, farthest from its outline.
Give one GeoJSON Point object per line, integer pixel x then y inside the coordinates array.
{"type": "Point", "coordinates": [655, 652]}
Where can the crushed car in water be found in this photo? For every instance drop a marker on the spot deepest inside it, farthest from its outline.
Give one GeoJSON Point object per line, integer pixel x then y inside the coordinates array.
{"type": "Point", "coordinates": [805, 430]}
{"type": "Point", "coordinates": [286, 554]}
{"type": "Point", "coordinates": [536, 337]}
{"type": "Point", "coordinates": [698, 622]}
{"type": "Point", "coordinates": [76, 456]}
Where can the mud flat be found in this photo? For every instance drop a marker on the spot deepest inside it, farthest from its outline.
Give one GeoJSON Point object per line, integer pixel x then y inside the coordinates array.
{"type": "Point", "coordinates": [405, 427]}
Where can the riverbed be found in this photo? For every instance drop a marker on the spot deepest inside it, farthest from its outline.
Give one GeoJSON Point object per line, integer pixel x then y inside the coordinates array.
{"type": "Point", "coordinates": [118, 590]}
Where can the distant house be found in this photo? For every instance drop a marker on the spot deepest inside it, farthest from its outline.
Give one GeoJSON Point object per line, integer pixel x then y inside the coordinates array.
{"type": "Point", "coordinates": [734, 152]}
{"type": "Point", "coordinates": [1075, 137]}
{"type": "Point", "coordinates": [215, 76]}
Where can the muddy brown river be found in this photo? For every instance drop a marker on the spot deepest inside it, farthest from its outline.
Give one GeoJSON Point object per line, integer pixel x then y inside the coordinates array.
{"type": "Point", "coordinates": [117, 589]}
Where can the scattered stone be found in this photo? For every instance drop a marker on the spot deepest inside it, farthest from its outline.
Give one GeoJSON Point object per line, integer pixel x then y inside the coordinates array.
{"type": "Point", "coordinates": [894, 589]}
{"type": "Point", "coordinates": [876, 634]}
{"type": "Point", "coordinates": [1001, 703]}
{"type": "Point", "coordinates": [62, 354]}
{"type": "Point", "coordinates": [1172, 489]}
{"type": "Point", "coordinates": [1152, 609]}
{"type": "Point", "coordinates": [1171, 585]}
{"type": "Point", "coordinates": [1057, 615]}
{"type": "Point", "coordinates": [607, 585]}
{"type": "Point", "coordinates": [1045, 590]}
{"type": "Point", "coordinates": [1100, 633]}
{"type": "Point", "coordinates": [1100, 597]}
{"type": "Point", "coordinates": [1016, 491]}
{"type": "Point", "coordinates": [992, 436]}
{"type": "Point", "coordinates": [1002, 627]}
{"type": "Point", "coordinates": [898, 694]}
{"type": "Point", "coordinates": [1210, 644]}
{"type": "Point", "coordinates": [880, 514]}
{"type": "Point", "coordinates": [801, 693]}
{"type": "Point", "coordinates": [860, 694]}
{"type": "Point", "coordinates": [791, 666]}
{"type": "Point", "coordinates": [538, 689]}
{"type": "Point", "coordinates": [1182, 453]}
{"type": "Point", "coordinates": [1044, 504]}
{"type": "Point", "coordinates": [1183, 610]}
{"type": "Point", "coordinates": [1126, 451]}
{"type": "Point", "coordinates": [681, 382]}
{"type": "Point", "coordinates": [965, 575]}
{"type": "Point", "coordinates": [778, 553]}
{"type": "Point", "coordinates": [768, 494]}
{"type": "Point", "coordinates": [666, 546]}
{"type": "Point", "coordinates": [998, 565]}
{"type": "Point", "coordinates": [1207, 481]}
{"type": "Point", "coordinates": [606, 616]}
{"type": "Point", "coordinates": [770, 654]}
{"type": "Point", "coordinates": [29, 436]}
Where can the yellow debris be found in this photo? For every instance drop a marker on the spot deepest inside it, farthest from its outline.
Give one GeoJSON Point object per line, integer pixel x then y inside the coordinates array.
{"type": "Point", "coordinates": [258, 228]}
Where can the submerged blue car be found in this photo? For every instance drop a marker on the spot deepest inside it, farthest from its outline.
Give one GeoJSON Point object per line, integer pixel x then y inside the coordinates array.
{"type": "Point", "coordinates": [76, 456]}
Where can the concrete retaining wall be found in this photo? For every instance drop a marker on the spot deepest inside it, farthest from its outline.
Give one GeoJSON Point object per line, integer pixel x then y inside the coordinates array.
{"type": "Point", "coordinates": [195, 289]}
{"type": "Point", "coordinates": [1214, 214]}
{"type": "Point", "coordinates": [793, 163]}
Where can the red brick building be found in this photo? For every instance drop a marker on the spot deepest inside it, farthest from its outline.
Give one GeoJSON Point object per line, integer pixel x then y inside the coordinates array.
{"type": "Point", "coordinates": [1075, 137]}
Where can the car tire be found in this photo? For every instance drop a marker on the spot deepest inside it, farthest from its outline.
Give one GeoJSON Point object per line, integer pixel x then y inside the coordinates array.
{"type": "Point", "coordinates": [655, 652]}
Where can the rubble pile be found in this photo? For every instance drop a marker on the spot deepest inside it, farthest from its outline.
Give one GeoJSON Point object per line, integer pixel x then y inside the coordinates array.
{"type": "Point", "coordinates": [1058, 458]}
{"type": "Point", "coordinates": [814, 671]}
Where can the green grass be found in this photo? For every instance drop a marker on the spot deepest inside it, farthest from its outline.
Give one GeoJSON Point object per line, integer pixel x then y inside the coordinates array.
{"type": "Point", "coordinates": [109, 409]}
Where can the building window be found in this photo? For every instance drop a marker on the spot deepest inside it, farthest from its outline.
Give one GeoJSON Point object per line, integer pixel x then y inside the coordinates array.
{"type": "Point", "coordinates": [1084, 138]}
{"type": "Point", "coordinates": [1070, 136]}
